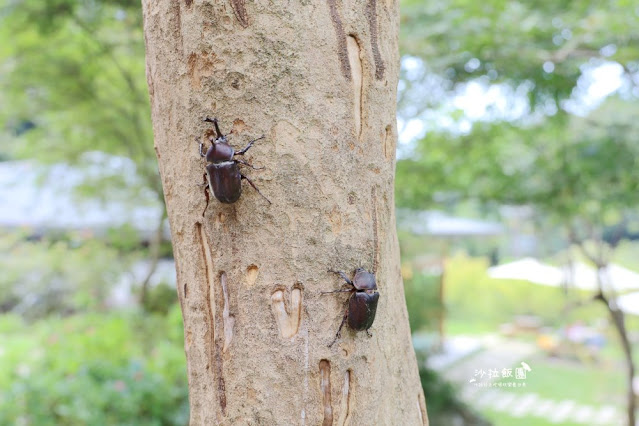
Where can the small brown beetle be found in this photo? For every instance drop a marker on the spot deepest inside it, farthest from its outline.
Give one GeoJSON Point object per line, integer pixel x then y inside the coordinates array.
{"type": "Point", "coordinates": [223, 176]}
{"type": "Point", "coordinates": [362, 304]}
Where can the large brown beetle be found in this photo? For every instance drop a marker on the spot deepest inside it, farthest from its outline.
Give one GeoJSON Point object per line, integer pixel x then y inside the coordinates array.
{"type": "Point", "coordinates": [223, 176]}
{"type": "Point", "coordinates": [362, 304]}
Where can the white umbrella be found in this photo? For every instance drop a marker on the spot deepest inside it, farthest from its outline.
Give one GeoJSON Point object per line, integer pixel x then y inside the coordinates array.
{"type": "Point", "coordinates": [528, 269]}
{"type": "Point", "coordinates": [614, 276]}
{"type": "Point", "coordinates": [578, 275]}
{"type": "Point", "coordinates": [629, 303]}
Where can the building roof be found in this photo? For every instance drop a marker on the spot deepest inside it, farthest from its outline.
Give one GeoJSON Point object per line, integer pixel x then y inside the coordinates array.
{"type": "Point", "coordinates": [45, 197]}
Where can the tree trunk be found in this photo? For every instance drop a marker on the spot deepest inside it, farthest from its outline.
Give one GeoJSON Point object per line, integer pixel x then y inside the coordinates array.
{"type": "Point", "coordinates": [618, 320]}
{"type": "Point", "coordinates": [318, 79]}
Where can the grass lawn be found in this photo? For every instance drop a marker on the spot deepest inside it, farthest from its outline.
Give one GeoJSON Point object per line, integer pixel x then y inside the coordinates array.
{"type": "Point", "coordinates": [458, 327]}
{"type": "Point", "coordinates": [590, 384]}
{"type": "Point", "coordinates": [552, 379]}
{"type": "Point", "coordinates": [503, 419]}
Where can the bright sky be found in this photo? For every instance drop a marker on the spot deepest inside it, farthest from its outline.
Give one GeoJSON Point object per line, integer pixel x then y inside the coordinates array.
{"type": "Point", "coordinates": [479, 101]}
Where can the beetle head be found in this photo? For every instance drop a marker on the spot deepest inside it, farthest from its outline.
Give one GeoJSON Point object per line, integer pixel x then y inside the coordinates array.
{"type": "Point", "coordinates": [219, 151]}
{"type": "Point", "coordinates": [364, 280]}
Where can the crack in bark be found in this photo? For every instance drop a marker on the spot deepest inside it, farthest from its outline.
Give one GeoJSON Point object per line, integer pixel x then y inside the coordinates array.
{"type": "Point", "coordinates": [325, 386]}
{"type": "Point", "coordinates": [371, 16]}
{"type": "Point", "coordinates": [342, 51]}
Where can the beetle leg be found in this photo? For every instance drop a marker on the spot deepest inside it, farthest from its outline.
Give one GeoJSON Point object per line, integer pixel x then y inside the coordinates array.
{"type": "Point", "coordinates": [339, 330]}
{"type": "Point", "coordinates": [255, 187]}
{"type": "Point", "coordinates": [201, 146]}
{"type": "Point", "coordinates": [343, 275]}
{"type": "Point", "coordinates": [250, 165]}
{"type": "Point", "coordinates": [204, 182]}
{"type": "Point", "coordinates": [250, 144]}
{"type": "Point", "coordinates": [368, 333]}
{"type": "Point", "coordinates": [349, 290]}
{"type": "Point", "coordinates": [206, 194]}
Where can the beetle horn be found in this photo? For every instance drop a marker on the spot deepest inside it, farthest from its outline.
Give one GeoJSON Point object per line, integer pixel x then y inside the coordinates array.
{"type": "Point", "coordinates": [217, 127]}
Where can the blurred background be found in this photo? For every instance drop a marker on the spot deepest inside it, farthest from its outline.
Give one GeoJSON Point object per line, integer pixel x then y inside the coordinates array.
{"type": "Point", "coordinates": [516, 193]}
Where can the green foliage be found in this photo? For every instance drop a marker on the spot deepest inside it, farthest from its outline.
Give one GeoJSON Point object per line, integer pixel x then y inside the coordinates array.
{"type": "Point", "coordinates": [94, 369]}
{"type": "Point", "coordinates": [443, 404]}
{"type": "Point", "coordinates": [572, 163]}
{"type": "Point", "coordinates": [575, 169]}
{"type": "Point", "coordinates": [160, 298]}
{"type": "Point", "coordinates": [422, 301]}
{"type": "Point", "coordinates": [504, 41]}
{"type": "Point", "coordinates": [73, 74]}
{"type": "Point", "coordinates": [123, 238]}
{"type": "Point", "coordinates": [473, 297]}
{"type": "Point", "coordinates": [56, 276]}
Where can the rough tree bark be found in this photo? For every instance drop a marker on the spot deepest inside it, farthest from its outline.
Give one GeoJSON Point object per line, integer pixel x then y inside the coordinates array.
{"type": "Point", "coordinates": [318, 79]}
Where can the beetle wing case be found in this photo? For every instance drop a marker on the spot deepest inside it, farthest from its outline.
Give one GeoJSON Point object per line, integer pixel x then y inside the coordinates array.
{"type": "Point", "coordinates": [225, 181]}
{"type": "Point", "coordinates": [361, 310]}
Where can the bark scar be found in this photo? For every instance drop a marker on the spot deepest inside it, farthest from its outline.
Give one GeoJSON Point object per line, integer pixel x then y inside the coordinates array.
{"type": "Point", "coordinates": [371, 15]}
{"type": "Point", "coordinates": [375, 237]}
{"type": "Point", "coordinates": [325, 386]}
{"type": "Point", "coordinates": [388, 142]}
{"type": "Point", "coordinates": [229, 320]}
{"type": "Point", "coordinates": [421, 405]}
{"type": "Point", "coordinates": [251, 275]}
{"type": "Point", "coordinates": [355, 61]}
{"type": "Point", "coordinates": [342, 52]}
{"type": "Point", "coordinates": [288, 320]}
{"type": "Point", "coordinates": [344, 411]}
{"type": "Point", "coordinates": [239, 9]}
{"type": "Point", "coordinates": [214, 352]}
{"type": "Point", "coordinates": [178, 25]}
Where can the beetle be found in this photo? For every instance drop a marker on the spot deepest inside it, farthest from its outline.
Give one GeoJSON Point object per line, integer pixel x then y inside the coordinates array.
{"type": "Point", "coordinates": [223, 176]}
{"type": "Point", "coordinates": [362, 304]}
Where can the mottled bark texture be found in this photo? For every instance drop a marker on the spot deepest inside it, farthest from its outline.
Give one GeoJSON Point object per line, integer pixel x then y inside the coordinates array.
{"type": "Point", "coordinates": [318, 79]}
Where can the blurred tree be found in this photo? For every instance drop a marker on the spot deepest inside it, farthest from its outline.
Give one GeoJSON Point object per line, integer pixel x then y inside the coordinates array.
{"type": "Point", "coordinates": [73, 76]}
{"type": "Point", "coordinates": [543, 141]}
{"type": "Point", "coordinates": [544, 45]}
